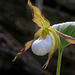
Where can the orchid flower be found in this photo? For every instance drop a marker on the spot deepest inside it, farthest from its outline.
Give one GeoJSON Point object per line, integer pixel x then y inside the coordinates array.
{"type": "Point", "coordinates": [48, 37]}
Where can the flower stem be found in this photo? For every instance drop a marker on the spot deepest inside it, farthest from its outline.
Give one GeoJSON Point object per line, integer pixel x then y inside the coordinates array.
{"type": "Point", "coordinates": [59, 62]}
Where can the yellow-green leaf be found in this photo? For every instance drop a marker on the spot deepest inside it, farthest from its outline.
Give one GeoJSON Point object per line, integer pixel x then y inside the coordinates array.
{"type": "Point", "coordinates": [38, 18]}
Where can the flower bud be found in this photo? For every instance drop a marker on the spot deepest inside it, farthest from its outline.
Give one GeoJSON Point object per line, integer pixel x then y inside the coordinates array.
{"type": "Point", "coordinates": [42, 46]}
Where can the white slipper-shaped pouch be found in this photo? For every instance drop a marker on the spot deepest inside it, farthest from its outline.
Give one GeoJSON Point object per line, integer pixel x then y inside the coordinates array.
{"type": "Point", "coordinates": [42, 46]}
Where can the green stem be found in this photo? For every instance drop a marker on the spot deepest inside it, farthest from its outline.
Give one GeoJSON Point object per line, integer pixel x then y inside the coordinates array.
{"type": "Point", "coordinates": [59, 62]}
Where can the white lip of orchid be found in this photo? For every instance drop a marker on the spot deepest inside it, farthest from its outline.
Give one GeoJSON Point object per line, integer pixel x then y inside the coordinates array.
{"type": "Point", "coordinates": [42, 46]}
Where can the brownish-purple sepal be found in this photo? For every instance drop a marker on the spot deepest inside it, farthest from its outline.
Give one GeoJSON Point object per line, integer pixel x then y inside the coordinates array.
{"type": "Point", "coordinates": [27, 46]}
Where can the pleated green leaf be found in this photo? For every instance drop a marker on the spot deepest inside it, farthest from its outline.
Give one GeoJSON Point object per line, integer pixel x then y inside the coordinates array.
{"type": "Point", "coordinates": [67, 28]}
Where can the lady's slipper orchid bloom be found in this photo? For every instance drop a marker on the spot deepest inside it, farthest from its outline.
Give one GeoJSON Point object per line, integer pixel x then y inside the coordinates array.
{"type": "Point", "coordinates": [48, 40]}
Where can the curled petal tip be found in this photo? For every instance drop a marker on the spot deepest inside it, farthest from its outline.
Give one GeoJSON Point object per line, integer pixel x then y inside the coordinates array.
{"type": "Point", "coordinates": [14, 59]}
{"type": "Point", "coordinates": [29, 3]}
{"type": "Point", "coordinates": [44, 66]}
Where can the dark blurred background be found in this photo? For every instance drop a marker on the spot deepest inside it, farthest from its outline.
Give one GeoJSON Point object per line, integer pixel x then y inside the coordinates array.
{"type": "Point", "coordinates": [17, 27]}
